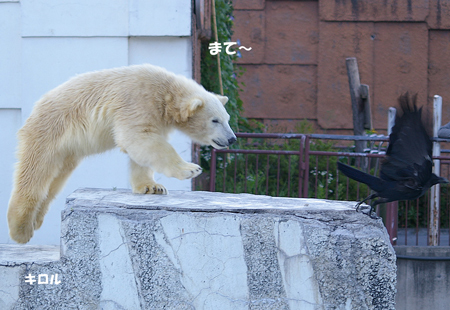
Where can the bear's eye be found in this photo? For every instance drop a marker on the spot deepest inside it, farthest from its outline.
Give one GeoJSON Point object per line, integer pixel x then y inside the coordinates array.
{"type": "Point", "coordinates": [215, 120]}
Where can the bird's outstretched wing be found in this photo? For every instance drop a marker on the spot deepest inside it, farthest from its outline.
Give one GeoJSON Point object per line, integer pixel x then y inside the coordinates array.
{"type": "Point", "coordinates": [408, 157]}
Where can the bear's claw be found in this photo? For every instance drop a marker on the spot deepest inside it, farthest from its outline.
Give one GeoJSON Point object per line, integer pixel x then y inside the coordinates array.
{"type": "Point", "coordinates": [188, 171]}
{"type": "Point", "coordinates": [157, 189]}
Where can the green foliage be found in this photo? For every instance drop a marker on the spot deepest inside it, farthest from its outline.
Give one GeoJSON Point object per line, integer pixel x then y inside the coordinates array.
{"type": "Point", "coordinates": [258, 174]}
{"type": "Point", "coordinates": [278, 175]}
{"type": "Point", "coordinates": [230, 71]}
{"type": "Point", "coordinates": [414, 213]}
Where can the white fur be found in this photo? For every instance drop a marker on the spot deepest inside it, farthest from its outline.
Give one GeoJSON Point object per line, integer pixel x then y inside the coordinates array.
{"type": "Point", "coordinates": [133, 108]}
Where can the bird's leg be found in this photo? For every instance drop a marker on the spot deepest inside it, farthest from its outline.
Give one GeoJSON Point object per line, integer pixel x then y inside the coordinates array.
{"type": "Point", "coordinates": [373, 215]}
{"type": "Point", "coordinates": [372, 196]}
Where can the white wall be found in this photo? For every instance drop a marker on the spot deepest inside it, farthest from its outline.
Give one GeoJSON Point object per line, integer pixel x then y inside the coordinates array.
{"type": "Point", "coordinates": [45, 42]}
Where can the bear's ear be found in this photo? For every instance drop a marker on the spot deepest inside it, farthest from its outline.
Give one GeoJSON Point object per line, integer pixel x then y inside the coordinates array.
{"type": "Point", "coordinates": [223, 99]}
{"type": "Point", "coordinates": [189, 108]}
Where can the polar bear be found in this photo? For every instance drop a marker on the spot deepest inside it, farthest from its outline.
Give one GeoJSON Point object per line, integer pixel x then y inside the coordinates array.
{"type": "Point", "coordinates": [133, 108]}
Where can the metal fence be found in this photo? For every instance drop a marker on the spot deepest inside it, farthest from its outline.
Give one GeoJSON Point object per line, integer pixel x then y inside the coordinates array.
{"type": "Point", "coordinates": [298, 165]}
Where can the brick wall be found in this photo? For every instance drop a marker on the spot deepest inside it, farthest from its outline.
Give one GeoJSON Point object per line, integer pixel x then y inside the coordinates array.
{"type": "Point", "coordinates": [296, 68]}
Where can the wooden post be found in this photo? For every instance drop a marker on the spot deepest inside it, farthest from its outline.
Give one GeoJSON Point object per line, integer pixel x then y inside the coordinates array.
{"type": "Point", "coordinates": [433, 225]}
{"type": "Point", "coordinates": [357, 102]}
{"type": "Point", "coordinates": [365, 96]}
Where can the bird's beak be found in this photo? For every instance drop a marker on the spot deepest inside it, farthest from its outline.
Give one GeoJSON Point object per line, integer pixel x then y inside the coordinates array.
{"type": "Point", "coordinates": [442, 180]}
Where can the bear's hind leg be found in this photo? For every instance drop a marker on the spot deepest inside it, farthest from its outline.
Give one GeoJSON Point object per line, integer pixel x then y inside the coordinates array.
{"type": "Point", "coordinates": [70, 163]}
{"type": "Point", "coordinates": [30, 190]}
{"type": "Point", "coordinates": [21, 214]}
{"type": "Point", "coordinates": [34, 174]}
{"type": "Point", "coordinates": [142, 181]}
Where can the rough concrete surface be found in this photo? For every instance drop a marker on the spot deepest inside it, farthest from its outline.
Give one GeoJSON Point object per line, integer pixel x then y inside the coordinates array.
{"type": "Point", "coordinates": [423, 284]}
{"type": "Point", "coordinates": [203, 250]}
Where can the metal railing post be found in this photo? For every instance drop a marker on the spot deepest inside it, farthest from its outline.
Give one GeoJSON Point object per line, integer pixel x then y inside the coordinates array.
{"type": "Point", "coordinates": [392, 221]}
{"type": "Point", "coordinates": [433, 235]}
{"type": "Point", "coordinates": [392, 207]}
{"type": "Point", "coordinates": [306, 168]}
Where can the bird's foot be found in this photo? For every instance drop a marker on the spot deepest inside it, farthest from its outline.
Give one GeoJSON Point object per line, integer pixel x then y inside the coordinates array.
{"type": "Point", "coordinates": [373, 215]}
{"type": "Point", "coordinates": [358, 205]}
{"type": "Point", "coordinates": [370, 213]}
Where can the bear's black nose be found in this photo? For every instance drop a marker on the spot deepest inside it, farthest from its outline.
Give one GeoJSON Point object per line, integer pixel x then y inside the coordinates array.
{"type": "Point", "coordinates": [231, 140]}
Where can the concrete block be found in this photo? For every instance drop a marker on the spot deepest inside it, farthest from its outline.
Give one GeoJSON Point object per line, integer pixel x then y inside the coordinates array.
{"type": "Point", "coordinates": [281, 91]}
{"type": "Point", "coordinates": [292, 32]}
{"type": "Point", "coordinates": [439, 69]}
{"type": "Point", "coordinates": [423, 284]}
{"type": "Point", "coordinates": [249, 29]}
{"type": "Point", "coordinates": [439, 17]}
{"type": "Point", "coordinates": [249, 4]}
{"type": "Point", "coordinates": [367, 10]}
{"type": "Point", "coordinates": [203, 250]}
{"type": "Point", "coordinates": [338, 42]}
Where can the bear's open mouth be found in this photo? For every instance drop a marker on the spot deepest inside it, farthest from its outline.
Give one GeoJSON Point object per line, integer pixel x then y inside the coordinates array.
{"type": "Point", "coordinates": [219, 144]}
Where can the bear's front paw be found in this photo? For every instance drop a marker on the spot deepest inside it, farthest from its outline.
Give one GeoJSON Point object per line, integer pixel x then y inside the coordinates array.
{"type": "Point", "coordinates": [157, 189]}
{"type": "Point", "coordinates": [188, 171]}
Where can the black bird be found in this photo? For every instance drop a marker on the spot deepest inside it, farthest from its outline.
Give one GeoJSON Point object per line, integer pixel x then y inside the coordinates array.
{"type": "Point", "coordinates": [406, 171]}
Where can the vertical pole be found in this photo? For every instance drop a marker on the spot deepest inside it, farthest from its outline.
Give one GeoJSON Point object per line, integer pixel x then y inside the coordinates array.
{"type": "Point", "coordinates": [357, 102]}
{"type": "Point", "coordinates": [392, 207]}
{"type": "Point", "coordinates": [433, 235]}
{"type": "Point", "coordinates": [392, 221]}
{"type": "Point", "coordinates": [365, 96]}
{"type": "Point", "coordinates": [391, 119]}
{"type": "Point", "coordinates": [306, 168]}
{"type": "Point", "coordinates": [301, 168]}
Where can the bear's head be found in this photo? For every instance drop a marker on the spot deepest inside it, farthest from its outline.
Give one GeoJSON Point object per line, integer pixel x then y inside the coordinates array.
{"type": "Point", "coordinates": [203, 118]}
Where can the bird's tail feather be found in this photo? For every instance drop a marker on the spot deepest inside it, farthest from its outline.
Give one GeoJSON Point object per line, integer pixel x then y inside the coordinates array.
{"type": "Point", "coordinates": [373, 182]}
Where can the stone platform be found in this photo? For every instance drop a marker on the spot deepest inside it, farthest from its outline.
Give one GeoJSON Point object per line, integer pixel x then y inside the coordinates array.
{"type": "Point", "coordinates": [203, 250]}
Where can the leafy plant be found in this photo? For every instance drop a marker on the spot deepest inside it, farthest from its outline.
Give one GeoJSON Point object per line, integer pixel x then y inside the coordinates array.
{"type": "Point", "coordinates": [229, 70]}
